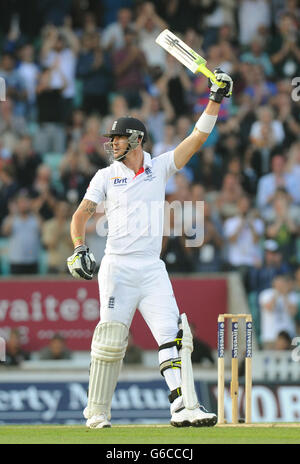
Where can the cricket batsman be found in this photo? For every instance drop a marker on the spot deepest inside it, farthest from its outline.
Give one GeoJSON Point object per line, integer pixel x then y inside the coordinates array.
{"type": "Point", "coordinates": [131, 273]}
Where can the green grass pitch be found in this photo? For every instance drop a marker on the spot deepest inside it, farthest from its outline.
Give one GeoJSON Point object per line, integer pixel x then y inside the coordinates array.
{"type": "Point", "coordinates": [160, 434]}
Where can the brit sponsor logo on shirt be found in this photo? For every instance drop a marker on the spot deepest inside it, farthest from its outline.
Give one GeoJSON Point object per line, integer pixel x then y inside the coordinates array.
{"type": "Point", "coordinates": [119, 180]}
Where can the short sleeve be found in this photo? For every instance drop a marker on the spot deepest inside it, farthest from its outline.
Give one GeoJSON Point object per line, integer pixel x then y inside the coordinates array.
{"type": "Point", "coordinates": [167, 164]}
{"type": "Point", "coordinates": [96, 190]}
{"type": "Point", "coordinates": [230, 227]}
{"type": "Point", "coordinates": [266, 296]}
{"type": "Point", "coordinates": [293, 298]}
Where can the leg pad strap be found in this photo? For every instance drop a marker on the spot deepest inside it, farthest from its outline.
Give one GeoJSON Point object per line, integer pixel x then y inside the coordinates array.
{"type": "Point", "coordinates": [174, 363]}
{"type": "Point", "coordinates": [177, 342]}
{"type": "Point", "coordinates": [175, 394]}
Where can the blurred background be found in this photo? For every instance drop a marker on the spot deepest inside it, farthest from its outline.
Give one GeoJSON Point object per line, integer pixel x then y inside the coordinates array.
{"type": "Point", "coordinates": [71, 68]}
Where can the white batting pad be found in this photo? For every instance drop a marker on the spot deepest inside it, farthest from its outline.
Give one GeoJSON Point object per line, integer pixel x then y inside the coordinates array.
{"type": "Point", "coordinates": [190, 399]}
{"type": "Point", "coordinates": [107, 352]}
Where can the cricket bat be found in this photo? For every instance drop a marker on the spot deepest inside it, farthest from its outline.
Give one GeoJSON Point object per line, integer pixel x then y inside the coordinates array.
{"type": "Point", "coordinates": [186, 55]}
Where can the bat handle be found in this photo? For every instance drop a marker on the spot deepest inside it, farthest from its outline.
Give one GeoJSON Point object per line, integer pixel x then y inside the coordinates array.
{"type": "Point", "coordinates": [207, 72]}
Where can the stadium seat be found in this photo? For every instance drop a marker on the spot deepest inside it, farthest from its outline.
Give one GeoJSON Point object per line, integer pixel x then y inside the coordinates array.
{"type": "Point", "coordinates": [53, 160]}
{"type": "Point", "coordinates": [4, 263]}
{"type": "Point", "coordinates": [43, 262]}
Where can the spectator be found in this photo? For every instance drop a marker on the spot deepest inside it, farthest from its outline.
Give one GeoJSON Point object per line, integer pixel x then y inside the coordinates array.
{"type": "Point", "coordinates": [278, 306]}
{"type": "Point", "coordinates": [11, 126]}
{"type": "Point", "coordinates": [88, 23]}
{"type": "Point", "coordinates": [258, 55]}
{"type": "Point", "coordinates": [177, 257]}
{"type": "Point", "coordinates": [260, 278]}
{"type": "Point", "coordinates": [251, 23]}
{"type": "Point", "coordinates": [284, 48]}
{"type": "Point", "coordinates": [266, 134]}
{"type": "Point", "coordinates": [129, 65]}
{"type": "Point", "coordinates": [283, 341]}
{"type": "Point", "coordinates": [283, 224]}
{"type": "Point", "coordinates": [258, 87]}
{"type": "Point", "coordinates": [134, 354]}
{"type": "Point", "coordinates": [14, 353]}
{"type": "Point", "coordinates": [56, 238]}
{"type": "Point", "coordinates": [289, 6]}
{"type": "Point", "coordinates": [43, 194]}
{"type": "Point", "coordinates": [157, 111]}
{"type": "Point", "coordinates": [51, 136]}
{"type": "Point", "coordinates": [168, 143]}
{"type": "Point", "coordinates": [214, 18]}
{"type": "Point", "coordinates": [75, 174]}
{"type": "Point", "coordinates": [94, 69]}
{"type": "Point", "coordinates": [56, 350]}
{"type": "Point", "coordinates": [113, 34]}
{"type": "Point", "coordinates": [243, 233]}
{"type": "Point", "coordinates": [28, 71]}
{"type": "Point", "coordinates": [209, 171]}
{"type": "Point", "coordinates": [246, 177]}
{"type": "Point", "coordinates": [202, 351]}
{"type": "Point", "coordinates": [149, 25]}
{"type": "Point", "coordinates": [176, 83]}
{"type": "Point", "coordinates": [22, 227]}
{"type": "Point", "coordinates": [180, 15]}
{"type": "Point", "coordinates": [91, 145]}
{"type": "Point", "coordinates": [277, 178]}
{"type": "Point", "coordinates": [25, 161]}
{"type": "Point", "coordinates": [75, 129]}
{"type": "Point", "coordinates": [8, 189]}
{"type": "Point", "coordinates": [54, 12]}
{"type": "Point", "coordinates": [15, 88]}
{"type": "Point", "coordinates": [293, 160]}
{"type": "Point", "coordinates": [208, 256]}
{"type": "Point", "coordinates": [118, 107]}
{"type": "Point", "coordinates": [226, 199]}
{"type": "Point", "coordinates": [288, 116]}
{"type": "Point", "coordinates": [59, 52]}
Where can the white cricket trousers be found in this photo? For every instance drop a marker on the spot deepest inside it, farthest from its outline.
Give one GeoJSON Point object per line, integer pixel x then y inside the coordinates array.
{"type": "Point", "coordinates": [127, 283]}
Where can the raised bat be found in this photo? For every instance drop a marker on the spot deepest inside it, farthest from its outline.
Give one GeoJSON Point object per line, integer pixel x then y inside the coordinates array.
{"type": "Point", "coordinates": [185, 54]}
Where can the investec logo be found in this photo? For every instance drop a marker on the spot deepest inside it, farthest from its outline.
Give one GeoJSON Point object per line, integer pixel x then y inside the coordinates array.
{"type": "Point", "coordinates": [119, 180]}
{"type": "Point", "coordinates": [221, 343]}
{"type": "Point", "coordinates": [235, 340]}
{"type": "Point", "coordinates": [248, 340]}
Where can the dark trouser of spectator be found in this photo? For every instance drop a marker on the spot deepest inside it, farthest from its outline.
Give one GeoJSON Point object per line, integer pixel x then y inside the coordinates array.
{"type": "Point", "coordinates": [51, 137]}
{"type": "Point", "coordinates": [67, 109]}
{"type": "Point", "coordinates": [132, 97]}
{"type": "Point", "coordinates": [243, 270]}
{"type": "Point", "coordinates": [24, 268]}
{"type": "Point", "coordinates": [95, 104]}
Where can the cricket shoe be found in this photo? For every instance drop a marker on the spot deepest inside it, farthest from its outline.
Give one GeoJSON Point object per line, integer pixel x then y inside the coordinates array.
{"type": "Point", "coordinates": [197, 417]}
{"type": "Point", "coordinates": [98, 422]}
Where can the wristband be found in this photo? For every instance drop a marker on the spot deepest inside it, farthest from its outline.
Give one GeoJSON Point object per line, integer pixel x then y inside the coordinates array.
{"type": "Point", "coordinates": [206, 123]}
{"type": "Point", "coordinates": [80, 248]}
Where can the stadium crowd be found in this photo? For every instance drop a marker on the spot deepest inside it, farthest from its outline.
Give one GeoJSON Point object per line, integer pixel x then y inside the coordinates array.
{"type": "Point", "coordinates": [72, 67]}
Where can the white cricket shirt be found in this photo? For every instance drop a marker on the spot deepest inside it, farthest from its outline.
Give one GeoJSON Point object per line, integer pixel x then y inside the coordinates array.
{"type": "Point", "coordinates": [133, 204]}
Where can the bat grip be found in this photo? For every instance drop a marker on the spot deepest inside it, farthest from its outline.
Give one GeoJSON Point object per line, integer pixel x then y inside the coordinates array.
{"type": "Point", "coordinates": [207, 72]}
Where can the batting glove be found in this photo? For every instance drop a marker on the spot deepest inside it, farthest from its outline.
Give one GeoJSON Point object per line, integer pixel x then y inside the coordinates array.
{"type": "Point", "coordinates": [218, 93]}
{"type": "Point", "coordinates": [82, 263]}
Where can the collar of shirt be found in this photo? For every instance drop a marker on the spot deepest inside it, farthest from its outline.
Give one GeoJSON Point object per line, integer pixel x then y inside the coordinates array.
{"type": "Point", "coordinates": [147, 163]}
